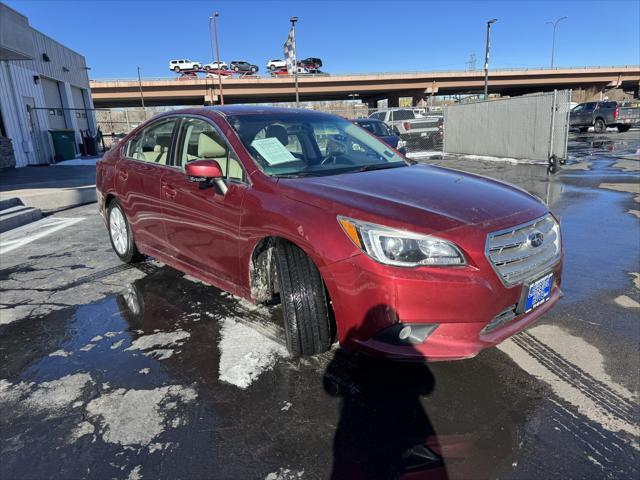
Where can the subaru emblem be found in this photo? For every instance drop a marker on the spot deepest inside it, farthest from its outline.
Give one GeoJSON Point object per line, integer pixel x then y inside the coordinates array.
{"type": "Point", "coordinates": [535, 239]}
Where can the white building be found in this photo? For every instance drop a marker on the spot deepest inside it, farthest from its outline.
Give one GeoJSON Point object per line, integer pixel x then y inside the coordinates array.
{"type": "Point", "coordinates": [43, 86]}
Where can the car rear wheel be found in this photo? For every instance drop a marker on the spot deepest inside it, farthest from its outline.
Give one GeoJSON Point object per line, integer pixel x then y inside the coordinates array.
{"type": "Point", "coordinates": [623, 128]}
{"type": "Point", "coordinates": [599, 126]}
{"type": "Point", "coordinates": [304, 303]}
{"type": "Point", "coordinates": [253, 69]}
{"type": "Point", "coordinates": [120, 234]}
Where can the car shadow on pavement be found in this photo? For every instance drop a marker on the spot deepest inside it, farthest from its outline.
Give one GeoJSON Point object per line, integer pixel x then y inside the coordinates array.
{"type": "Point", "coordinates": [383, 431]}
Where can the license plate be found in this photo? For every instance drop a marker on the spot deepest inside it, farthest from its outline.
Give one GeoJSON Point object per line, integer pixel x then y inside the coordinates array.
{"type": "Point", "coordinates": [539, 292]}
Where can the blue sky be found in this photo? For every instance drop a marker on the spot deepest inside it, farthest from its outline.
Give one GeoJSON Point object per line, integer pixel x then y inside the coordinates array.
{"type": "Point", "coordinates": [350, 36]}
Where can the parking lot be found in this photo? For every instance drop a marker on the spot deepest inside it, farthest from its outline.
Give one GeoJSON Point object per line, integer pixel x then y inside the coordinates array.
{"type": "Point", "coordinates": [114, 371]}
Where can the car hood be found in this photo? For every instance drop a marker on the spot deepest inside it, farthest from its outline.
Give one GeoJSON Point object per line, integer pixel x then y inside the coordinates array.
{"type": "Point", "coordinates": [421, 195]}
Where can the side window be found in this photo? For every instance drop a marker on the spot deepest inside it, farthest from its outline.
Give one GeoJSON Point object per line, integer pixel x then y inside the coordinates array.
{"type": "Point", "coordinates": [152, 144]}
{"type": "Point", "coordinates": [202, 141]}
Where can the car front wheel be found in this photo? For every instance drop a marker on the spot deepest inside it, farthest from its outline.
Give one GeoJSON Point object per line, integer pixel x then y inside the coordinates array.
{"type": "Point", "coordinates": [599, 126]}
{"type": "Point", "coordinates": [304, 303]}
{"type": "Point", "coordinates": [120, 234]}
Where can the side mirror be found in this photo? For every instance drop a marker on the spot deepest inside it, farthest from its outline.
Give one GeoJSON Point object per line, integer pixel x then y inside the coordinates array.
{"type": "Point", "coordinates": [206, 171]}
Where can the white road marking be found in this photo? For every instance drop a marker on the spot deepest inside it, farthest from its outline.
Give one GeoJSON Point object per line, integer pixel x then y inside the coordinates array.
{"type": "Point", "coordinates": [21, 236]}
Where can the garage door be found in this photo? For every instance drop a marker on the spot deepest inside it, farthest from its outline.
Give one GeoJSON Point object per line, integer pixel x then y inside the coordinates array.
{"type": "Point", "coordinates": [53, 102]}
{"type": "Point", "coordinates": [79, 105]}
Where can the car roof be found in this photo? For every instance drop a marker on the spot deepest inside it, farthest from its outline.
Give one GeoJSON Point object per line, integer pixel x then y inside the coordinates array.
{"type": "Point", "coordinates": [232, 110]}
{"type": "Point", "coordinates": [367, 119]}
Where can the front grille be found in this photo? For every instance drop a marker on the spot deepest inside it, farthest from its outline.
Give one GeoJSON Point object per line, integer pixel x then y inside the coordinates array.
{"type": "Point", "coordinates": [514, 254]}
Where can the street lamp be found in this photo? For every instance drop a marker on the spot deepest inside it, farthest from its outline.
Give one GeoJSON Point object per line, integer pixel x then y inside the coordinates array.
{"type": "Point", "coordinates": [293, 21]}
{"type": "Point", "coordinates": [144, 110]}
{"type": "Point", "coordinates": [486, 59]}
{"type": "Point", "coordinates": [553, 38]}
{"type": "Point", "coordinates": [217, 59]}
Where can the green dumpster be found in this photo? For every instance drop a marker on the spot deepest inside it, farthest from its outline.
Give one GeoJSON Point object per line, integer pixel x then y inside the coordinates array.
{"type": "Point", "coordinates": [64, 144]}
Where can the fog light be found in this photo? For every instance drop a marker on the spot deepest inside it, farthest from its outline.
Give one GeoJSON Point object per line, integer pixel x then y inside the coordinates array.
{"type": "Point", "coordinates": [403, 334]}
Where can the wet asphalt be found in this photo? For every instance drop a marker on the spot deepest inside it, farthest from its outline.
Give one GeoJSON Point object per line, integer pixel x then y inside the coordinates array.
{"type": "Point", "coordinates": [117, 371]}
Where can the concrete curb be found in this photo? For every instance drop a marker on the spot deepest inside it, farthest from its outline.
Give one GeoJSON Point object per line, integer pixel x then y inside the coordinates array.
{"type": "Point", "coordinates": [50, 199]}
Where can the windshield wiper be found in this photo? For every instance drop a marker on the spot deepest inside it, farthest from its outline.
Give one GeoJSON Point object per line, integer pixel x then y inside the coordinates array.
{"type": "Point", "coordinates": [378, 166]}
{"type": "Point", "coordinates": [297, 175]}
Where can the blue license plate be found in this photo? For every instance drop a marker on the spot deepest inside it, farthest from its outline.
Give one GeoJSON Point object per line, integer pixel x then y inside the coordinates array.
{"type": "Point", "coordinates": [539, 292]}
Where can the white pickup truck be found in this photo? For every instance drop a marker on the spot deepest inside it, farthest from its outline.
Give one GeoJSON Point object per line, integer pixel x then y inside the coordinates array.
{"type": "Point", "coordinates": [417, 130]}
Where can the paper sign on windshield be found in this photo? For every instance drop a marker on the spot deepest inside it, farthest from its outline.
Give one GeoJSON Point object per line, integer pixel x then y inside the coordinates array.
{"type": "Point", "coordinates": [272, 151]}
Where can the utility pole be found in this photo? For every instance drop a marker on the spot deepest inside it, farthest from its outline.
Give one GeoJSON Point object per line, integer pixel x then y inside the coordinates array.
{"type": "Point", "coordinates": [471, 63]}
{"type": "Point", "coordinates": [217, 59]}
{"type": "Point", "coordinates": [144, 110]}
{"type": "Point", "coordinates": [293, 21]}
{"type": "Point", "coordinates": [553, 38]}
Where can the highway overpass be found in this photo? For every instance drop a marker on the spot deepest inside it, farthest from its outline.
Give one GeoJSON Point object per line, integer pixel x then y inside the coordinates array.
{"type": "Point", "coordinates": [367, 87]}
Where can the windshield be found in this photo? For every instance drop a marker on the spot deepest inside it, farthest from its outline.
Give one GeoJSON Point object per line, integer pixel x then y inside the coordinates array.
{"type": "Point", "coordinates": [309, 144]}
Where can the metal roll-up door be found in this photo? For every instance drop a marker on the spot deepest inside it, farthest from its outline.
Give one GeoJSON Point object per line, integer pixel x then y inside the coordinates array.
{"type": "Point", "coordinates": [53, 102]}
{"type": "Point", "coordinates": [79, 106]}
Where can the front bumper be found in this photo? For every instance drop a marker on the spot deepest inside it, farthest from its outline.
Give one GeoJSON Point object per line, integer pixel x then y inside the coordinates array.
{"type": "Point", "coordinates": [369, 297]}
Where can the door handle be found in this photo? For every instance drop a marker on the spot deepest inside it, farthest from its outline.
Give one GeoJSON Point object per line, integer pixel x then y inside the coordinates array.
{"type": "Point", "coordinates": [123, 174]}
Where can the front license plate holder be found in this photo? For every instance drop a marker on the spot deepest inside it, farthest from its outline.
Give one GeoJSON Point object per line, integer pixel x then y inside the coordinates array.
{"type": "Point", "coordinates": [535, 293]}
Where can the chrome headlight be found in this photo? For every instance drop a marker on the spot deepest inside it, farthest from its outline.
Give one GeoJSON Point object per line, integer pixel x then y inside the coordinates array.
{"type": "Point", "coordinates": [401, 248]}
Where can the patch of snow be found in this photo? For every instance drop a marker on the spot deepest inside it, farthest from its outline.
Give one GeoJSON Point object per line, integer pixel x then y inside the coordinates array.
{"type": "Point", "coordinates": [87, 347]}
{"type": "Point", "coordinates": [82, 429]}
{"type": "Point", "coordinates": [286, 406]}
{"type": "Point", "coordinates": [116, 345]}
{"type": "Point", "coordinates": [285, 474]}
{"type": "Point", "coordinates": [161, 339]}
{"type": "Point", "coordinates": [135, 473]}
{"type": "Point", "coordinates": [60, 353]}
{"type": "Point", "coordinates": [57, 394]}
{"type": "Point", "coordinates": [112, 334]}
{"type": "Point", "coordinates": [626, 302]}
{"type": "Point", "coordinates": [245, 353]}
{"type": "Point", "coordinates": [136, 417]}
{"type": "Point", "coordinates": [97, 338]}
{"type": "Point", "coordinates": [160, 354]}
{"type": "Point", "coordinates": [144, 371]}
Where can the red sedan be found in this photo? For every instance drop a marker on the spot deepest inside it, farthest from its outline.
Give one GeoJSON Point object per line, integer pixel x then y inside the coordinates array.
{"type": "Point", "coordinates": [405, 261]}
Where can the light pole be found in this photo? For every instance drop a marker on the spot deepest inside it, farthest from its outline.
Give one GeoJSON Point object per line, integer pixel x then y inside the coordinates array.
{"type": "Point", "coordinates": [486, 59]}
{"type": "Point", "coordinates": [217, 59]}
{"type": "Point", "coordinates": [144, 110]}
{"type": "Point", "coordinates": [293, 21]}
{"type": "Point", "coordinates": [553, 38]}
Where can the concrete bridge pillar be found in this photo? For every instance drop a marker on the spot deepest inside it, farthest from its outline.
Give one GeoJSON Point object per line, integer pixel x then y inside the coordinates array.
{"type": "Point", "coordinates": [393, 101]}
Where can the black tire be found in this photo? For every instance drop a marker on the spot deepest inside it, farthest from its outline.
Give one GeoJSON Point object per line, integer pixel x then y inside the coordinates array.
{"type": "Point", "coordinates": [272, 67]}
{"type": "Point", "coordinates": [599, 126]}
{"type": "Point", "coordinates": [253, 70]}
{"type": "Point", "coordinates": [129, 253]}
{"type": "Point", "coordinates": [623, 128]}
{"type": "Point", "coordinates": [304, 304]}
{"type": "Point", "coordinates": [176, 69]}
{"type": "Point", "coordinates": [236, 69]}
{"type": "Point", "coordinates": [583, 129]}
